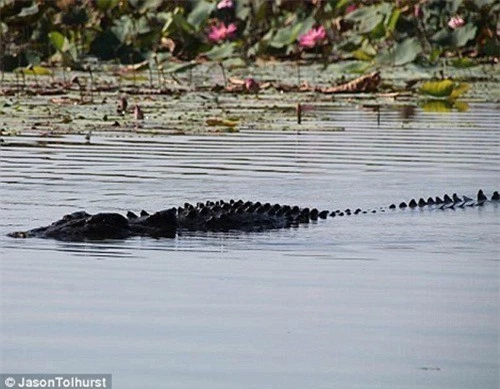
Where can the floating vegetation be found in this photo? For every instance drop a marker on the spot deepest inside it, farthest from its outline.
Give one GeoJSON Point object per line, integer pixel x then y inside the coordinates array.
{"type": "Point", "coordinates": [444, 89]}
{"type": "Point", "coordinates": [263, 97]}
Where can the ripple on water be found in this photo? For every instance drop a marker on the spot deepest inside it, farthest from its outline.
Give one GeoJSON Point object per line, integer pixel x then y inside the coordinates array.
{"type": "Point", "coordinates": [411, 297]}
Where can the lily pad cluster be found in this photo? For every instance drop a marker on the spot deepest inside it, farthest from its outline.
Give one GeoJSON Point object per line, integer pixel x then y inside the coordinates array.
{"type": "Point", "coordinates": [390, 33]}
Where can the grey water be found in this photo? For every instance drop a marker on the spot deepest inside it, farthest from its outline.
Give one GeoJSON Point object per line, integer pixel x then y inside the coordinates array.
{"type": "Point", "coordinates": [406, 299]}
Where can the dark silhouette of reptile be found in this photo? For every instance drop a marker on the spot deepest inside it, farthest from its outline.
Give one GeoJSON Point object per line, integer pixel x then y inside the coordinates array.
{"type": "Point", "coordinates": [217, 216]}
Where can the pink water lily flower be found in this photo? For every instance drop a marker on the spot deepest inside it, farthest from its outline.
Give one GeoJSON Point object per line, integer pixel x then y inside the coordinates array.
{"type": "Point", "coordinates": [312, 38]}
{"type": "Point", "coordinates": [221, 32]}
{"type": "Point", "coordinates": [456, 22]}
{"type": "Point", "coordinates": [225, 4]}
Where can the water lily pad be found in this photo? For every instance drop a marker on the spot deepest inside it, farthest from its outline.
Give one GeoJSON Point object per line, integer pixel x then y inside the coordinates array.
{"type": "Point", "coordinates": [403, 53]}
{"type": "Point", "coordinates": [200, 13]}
{"type": "Point", "coordinates": [212, 122]}
{"type": "Point", "coordinates": [459, 90]}
{"type": "Point", "coordinates": [370, 17]}
{"type": "Point", "coordinates": [407, 51]}
{"type": "Point", "coordinates": [362, 55]}
{"type": "Point", "coordinates": [456, 38]}
{"type": "Point", "coordinates": [234, 63]}
{"type": "Point", "coordinates": [178, 67]}
{"type": "Point", "coordinates": [442, 88]}
{"type": "Point", "coordinates": [35, 71]}
{"type": "Point", "coordinates": [221, 52]}
{"type": "Point", "coordinates": [288, 35]}
{"type": "Point", "coordinates": [464, 34]}
{"type": "Point", "coordinates": [351, 67]}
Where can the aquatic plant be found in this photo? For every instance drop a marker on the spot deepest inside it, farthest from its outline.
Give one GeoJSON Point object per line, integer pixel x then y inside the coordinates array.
{"type": "Point", "coordinates": [312, 38]}
{"type": "Point", "coordinates": [131, 31]}
{"type": "Point", "coordinates": [220, 32]}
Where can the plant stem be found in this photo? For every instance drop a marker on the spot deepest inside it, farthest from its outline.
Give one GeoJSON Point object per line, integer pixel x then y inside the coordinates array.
{"type": "Point", "coordinates": [223, 73]}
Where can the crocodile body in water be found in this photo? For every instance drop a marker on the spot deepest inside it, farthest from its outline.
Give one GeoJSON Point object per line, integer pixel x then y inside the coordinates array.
{"type": "Point", "coordinates": [217, 216]}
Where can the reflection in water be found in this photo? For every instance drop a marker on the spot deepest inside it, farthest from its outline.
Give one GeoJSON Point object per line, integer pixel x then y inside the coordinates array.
{"type": "Point", "coordinates": [407, 113]}
{"type": "Point", "coordinates": [444, 106]}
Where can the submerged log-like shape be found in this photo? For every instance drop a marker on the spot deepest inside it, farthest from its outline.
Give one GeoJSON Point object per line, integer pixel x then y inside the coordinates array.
{"type": "Point", "coordinates": [216, 216]}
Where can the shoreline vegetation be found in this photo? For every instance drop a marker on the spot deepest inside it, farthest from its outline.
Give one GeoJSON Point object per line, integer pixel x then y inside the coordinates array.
{"type": "Point", "coordinates": [241, 61]}
{"type": "Point", "coordinates": [160, 33]}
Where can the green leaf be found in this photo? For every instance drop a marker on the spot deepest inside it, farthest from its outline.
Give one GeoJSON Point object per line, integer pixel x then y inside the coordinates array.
{"type": "Point", "coordinates": [200, 13]}
{"type": "Point", "coordinates": [342, 3]}
{"type": "Point", "coordinates": [123, 28]}
{"type": "Point", "coordinates": [370, 23]}
{"type": "Point", "coordinates": [218, 53]}
{"type": "Point", "coordinates": [58, 40]}
{"type": "Point", "coordinates": [304, 26]}
{"type": "Point", "coordinates": [179, 67]}
{"type": "Point", "coordinates": [378, 32]}
{"type": "Point", "coordinates": [287, 35]}
{"type": "Point", "coordinates": [351, 43]}
{"type": "Point", "coordinates": [234, 63]}
{"type": "Point", "coordinates": [462, 35]}
{"type": "Point", "coordinates": [368, 18]}
{"type": "Point", "coordinates": [442, 88]}
{"type": "Point", "coordinates": [34, 70]}
{"type": "Point", "coordinates": [366, 52]}
{"type": "Point", "coordinates": [435, 53]}
{"type": "Point", "coordinates": [104, 5]}
{"type": "Point", "coordinates": [283, 37]}
{"type": "Point", "coordinates": [406, 51]}
{"type": "Point", "coordinates": [143, 26]}
{"type": "Point", "coordinates": [260, 14]}
{"type": "Point", "coordinates": [28, 11]}
{"type": "Point", "coordinates": [181, 22]}
{"type": "Point", "coordinates": [484, 3]}
{"type": "Point", "coordinates": [73, 53]}
{"type": "Point", "coordinates": [459, 90]}
{"type": "Point", "coordinates": [442, 38]}
{"type": "Point", "coordinates": [41, 71]}
{"type": "Point", "coordinates": [26, 16]}
{"type": "Point", "coordinates": [463, 63]}
{"type": "Point", "coordinates": [393, 20]}
{"type": "Point", "coordinates": [145, 5]}
{"type": "Point", "coordinates": [362, 55]}
{"type": "Point", "coordinates": [176, 23]}
{"type": "Point", "coordinates": [456, 38]}
{"type": "Point", "coordinates": [350, 67]}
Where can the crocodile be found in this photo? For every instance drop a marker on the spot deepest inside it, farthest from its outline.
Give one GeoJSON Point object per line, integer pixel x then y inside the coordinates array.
{"type": "Point", "coordinates": [219, 216]}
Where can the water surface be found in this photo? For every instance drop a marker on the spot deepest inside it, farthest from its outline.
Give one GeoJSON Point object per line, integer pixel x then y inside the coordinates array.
{"type": "Point", "coordinates": [397, 299]}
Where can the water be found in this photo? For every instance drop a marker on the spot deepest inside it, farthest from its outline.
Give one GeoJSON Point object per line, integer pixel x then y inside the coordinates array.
{"type": "Point", "coordinates": [398, 299]}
